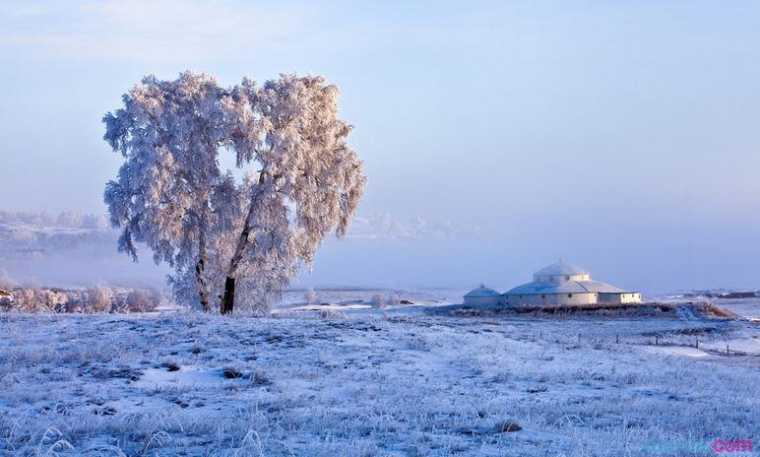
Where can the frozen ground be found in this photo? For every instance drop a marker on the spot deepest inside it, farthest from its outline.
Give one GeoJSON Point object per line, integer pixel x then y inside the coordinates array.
{"type": "Point", "coordinates": [364, 382]}
{"type": "Point", "coordinates": [746, 307]}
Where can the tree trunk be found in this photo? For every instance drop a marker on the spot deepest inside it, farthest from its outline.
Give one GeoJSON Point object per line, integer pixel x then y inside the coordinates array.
{"type": "Point", "coordinates": [200, 266]}
{"type": "Point", "coordinates": [201, 284]}
{"type": "Point", "coordinates": [228, 302]}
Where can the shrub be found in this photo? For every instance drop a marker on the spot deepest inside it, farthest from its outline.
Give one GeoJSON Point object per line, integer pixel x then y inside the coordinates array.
{"type": "Point", "coordinates": [30, 300]}
{"type": "Point", "coordinates": [377, 300]}
{"type": "Point", "coordinates": [93, 300]}
{"type": "Point", "coordinates": [99, 300]}
{"type": "Point", "coordinates": [142, 300]}
{"type": "Point", "coordinates": [256, 298]}
{"type": "Point", "coordinates": [331, 314]}
{"type": "Point", "coordinates": [6, 302]}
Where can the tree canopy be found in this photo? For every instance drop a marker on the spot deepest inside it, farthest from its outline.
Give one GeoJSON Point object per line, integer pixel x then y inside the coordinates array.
{"type": "Point", "coordinates": [302, 180]}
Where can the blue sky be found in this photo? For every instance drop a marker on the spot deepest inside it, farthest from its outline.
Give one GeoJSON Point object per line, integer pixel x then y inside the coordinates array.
{"type": "Point", "coordinates": [620, 135]}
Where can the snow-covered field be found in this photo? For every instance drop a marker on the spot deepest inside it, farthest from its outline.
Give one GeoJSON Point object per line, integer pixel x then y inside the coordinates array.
{"type": "Point", "coordinates": [746, 307]}
{"type": "Point", "coordinates": [366, 382]}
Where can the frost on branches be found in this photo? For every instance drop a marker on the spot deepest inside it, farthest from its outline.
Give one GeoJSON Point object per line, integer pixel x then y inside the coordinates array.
{"type": "Point", "coordinates": [226, 237]}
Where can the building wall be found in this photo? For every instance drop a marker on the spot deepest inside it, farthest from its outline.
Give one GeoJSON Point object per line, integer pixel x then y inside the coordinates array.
{"type": "Point", "coordinates": [577, 299]}
{"type": "Point", "coordinates": [482, 301]}
{"type": "Point", "coordinates": [620, 298]}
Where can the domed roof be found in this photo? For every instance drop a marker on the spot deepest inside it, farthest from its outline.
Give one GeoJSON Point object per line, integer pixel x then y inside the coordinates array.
{"type": "Point", "coordinates": [567, 287]}
{"type": "Point", "coordinates": [482, 291]}
{"type": "Point", "coordinates": [561, 269]}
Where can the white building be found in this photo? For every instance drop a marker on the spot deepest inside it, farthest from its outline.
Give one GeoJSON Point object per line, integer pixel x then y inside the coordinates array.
{"type": "Point", "coordinates": [558, 284]}
{"type": "Point", "coordinates": [565, 284]}
{"type": "Point", "coordinates": [482, 296]}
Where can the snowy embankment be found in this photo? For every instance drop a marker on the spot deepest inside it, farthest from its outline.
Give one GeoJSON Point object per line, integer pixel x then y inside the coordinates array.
{"type": "Point", "coordinates": [392, 383]}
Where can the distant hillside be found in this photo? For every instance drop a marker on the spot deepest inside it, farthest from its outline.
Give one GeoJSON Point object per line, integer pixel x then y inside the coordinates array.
{"type": "Point", "coordinates": [67, 250]}
{"type": "Point", "coordinates": [21, 240]}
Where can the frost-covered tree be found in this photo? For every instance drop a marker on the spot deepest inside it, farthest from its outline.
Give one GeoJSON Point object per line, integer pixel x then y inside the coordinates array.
{"type": "Point", "coordinates": [170, 133]}
{"type": "Point", "coordinates": [302, 180]}
{"type": "Point", "coordinates": [99, 299]}
{"type": "Point", "coordinates": [311, 296]}
{"type": "Point", "coordinates": [69, 219]}
{"type": "Point", "coordinates": [310, 182]}
{"type": "Point", "coordinates": [94, 222]}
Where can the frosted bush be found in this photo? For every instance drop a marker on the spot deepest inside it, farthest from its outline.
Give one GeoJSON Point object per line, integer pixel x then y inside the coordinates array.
{"type": "Point", "coordinates": [377, 300]}
{"type": "Point", "coordinates": [141, 300]}
{"type": "Point", "coordinates": [29, 300]}
{"type": "Point", "coordinates": [330, 314]}
{"type": "Point", "coordinates": [6, 302]}
{"type": "Point", "coordinates": [99, 300]}
{"type": "Point", "coordinates": [75, 304]}
{"type": "Point", "coordinates": [55, 300]}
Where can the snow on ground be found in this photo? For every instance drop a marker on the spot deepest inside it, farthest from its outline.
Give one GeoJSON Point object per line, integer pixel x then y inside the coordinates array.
{"type": "Point", "coordinates": [399, 382]}
{"type": "Point", "coordinates": [746, 307]}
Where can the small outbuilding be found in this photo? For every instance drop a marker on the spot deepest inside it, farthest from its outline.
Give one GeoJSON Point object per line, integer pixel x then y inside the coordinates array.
{"type": "Point", "coordinates": [482, 296]}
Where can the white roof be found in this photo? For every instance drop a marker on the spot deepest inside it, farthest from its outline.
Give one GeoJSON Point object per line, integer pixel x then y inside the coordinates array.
{"type": "Point", "coordinates": [567, 287]}
{"type": "Point", "coordinates": [482, 291]}
{"type": "Point", "coordinates": [561, 269]}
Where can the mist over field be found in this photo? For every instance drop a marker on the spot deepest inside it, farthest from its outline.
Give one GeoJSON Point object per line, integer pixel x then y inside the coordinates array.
{"type": "Point", "coordinates": [389, 252]}
{"type": "Point", "coordinates": [81, 251]}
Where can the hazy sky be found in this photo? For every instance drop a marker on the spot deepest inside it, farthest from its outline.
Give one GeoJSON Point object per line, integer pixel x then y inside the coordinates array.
{"type": "Point", "coordinates": [622, 136]}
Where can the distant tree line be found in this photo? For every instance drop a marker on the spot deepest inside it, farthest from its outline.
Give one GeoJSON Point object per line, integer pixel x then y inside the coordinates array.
{"type": "Point", "coordinates": [84, 301]}
{"type": "Point", "coordinates": [66, 219]}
